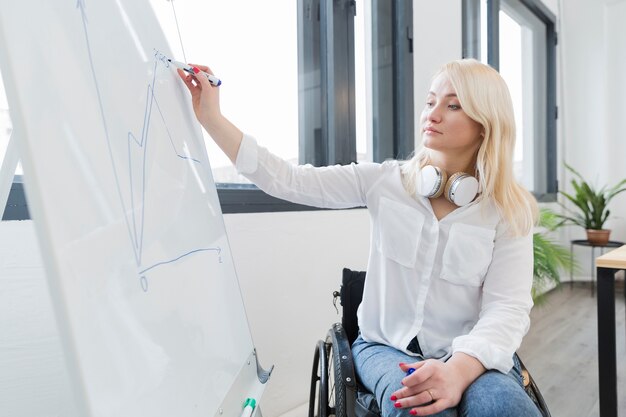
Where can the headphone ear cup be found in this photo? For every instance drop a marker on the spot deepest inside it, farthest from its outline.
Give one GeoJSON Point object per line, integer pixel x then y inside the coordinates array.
{"type": "Point", "coordinates": [430, 181]}
{"type": "Point", "coordinates": [461, 189]}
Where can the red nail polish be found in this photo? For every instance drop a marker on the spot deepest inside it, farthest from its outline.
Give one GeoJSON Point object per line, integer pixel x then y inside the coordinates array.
{"type": "Point", "coordinates": [394, 398]}
{"type": "Point", "coordinates": [397, 404]}
{"type": "Point", "coordinates": [413, 412]}
{"type": "Point", "coordinates": [401, 364]}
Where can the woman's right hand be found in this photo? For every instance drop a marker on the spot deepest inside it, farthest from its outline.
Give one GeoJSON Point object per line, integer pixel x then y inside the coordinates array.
{"type": "Point", "coordinates": [205, 97]}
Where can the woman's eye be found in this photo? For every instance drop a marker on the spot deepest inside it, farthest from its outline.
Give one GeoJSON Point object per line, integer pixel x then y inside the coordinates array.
{"type": "Point", "coordinates": [429, 104]}
{"type": "Point", "coordinates": [454, 107]}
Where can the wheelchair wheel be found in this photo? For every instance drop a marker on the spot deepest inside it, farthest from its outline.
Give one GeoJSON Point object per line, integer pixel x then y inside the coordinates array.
{"type": "Point", "coordinates": [327, 396]}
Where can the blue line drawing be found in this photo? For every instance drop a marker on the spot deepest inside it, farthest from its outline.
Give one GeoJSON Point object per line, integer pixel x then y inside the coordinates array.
{"type": "Point", "coordinates": [137, 230]}
{"type": "Point", "coordinates": [135, 225]}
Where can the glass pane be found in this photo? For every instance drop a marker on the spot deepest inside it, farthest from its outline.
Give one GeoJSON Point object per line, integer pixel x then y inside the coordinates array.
{"type": "Point", "coordinates": [523, 66]}
{"type": "Point", "coordinates": [484, 38]}
{"type": "Point", "coordinates": [252, 47]}
{"type": "Point", "coordinates": [511, 70]}
{"type": "Point", "coordinates": [5, 127]}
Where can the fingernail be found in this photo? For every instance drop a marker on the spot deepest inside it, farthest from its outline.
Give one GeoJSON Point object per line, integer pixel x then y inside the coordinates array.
{"type": "Point", "coordinates": [413, 412]}
{"type": "Point", "coordinates": [394, 398]}
{"type": "Point", "coordinates": [397, 404]}
{"type": "Point", "coordinates": [402, 364]}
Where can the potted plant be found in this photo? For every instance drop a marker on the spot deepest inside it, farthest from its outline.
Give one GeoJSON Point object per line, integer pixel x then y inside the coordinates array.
{"type": "Point", "coordinates": [549, 256]}
{"type": "Point", "coordinates": [592, 207]}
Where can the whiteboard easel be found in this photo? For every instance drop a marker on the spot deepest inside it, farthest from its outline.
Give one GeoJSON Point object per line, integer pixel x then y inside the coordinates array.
{"type": "Point", "coordinates": [126, 213]}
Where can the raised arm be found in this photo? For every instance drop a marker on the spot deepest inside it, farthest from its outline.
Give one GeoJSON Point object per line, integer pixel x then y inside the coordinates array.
{"type": "Point", "coordinates": [205, 99]}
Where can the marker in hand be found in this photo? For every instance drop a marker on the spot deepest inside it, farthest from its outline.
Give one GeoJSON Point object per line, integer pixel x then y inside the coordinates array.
{"type": "Point", "coordinates": [195, 71]}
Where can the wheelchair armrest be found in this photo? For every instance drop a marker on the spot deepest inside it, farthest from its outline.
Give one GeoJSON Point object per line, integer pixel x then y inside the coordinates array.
{"type": "Point", "coordinates": [343, 359]}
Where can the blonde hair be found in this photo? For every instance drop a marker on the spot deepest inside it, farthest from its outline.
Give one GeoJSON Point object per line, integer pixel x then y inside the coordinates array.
{"type": "Point", "coordinates": [485, 98]}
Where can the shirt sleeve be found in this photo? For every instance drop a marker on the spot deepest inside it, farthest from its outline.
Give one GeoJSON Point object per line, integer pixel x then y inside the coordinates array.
{"type": "Point", "coordinates": [506, 304]}
{"type": "Point", "coordinates": [338, 186]}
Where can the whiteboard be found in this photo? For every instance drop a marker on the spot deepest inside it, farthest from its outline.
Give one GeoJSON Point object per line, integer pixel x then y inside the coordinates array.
{"type": "Point", "coordinates": [33, 376]}
{"type": "Point", "coordinates": [127, 216]}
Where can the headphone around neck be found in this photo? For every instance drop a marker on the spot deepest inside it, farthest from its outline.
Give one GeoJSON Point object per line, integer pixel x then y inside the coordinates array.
{"type": "Point", "coordinates": [460, 189]}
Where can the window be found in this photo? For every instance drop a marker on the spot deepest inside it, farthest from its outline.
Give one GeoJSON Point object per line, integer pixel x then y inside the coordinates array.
{"type": "Point", "coordinates": [518, 38]}
{"type": "Point", "coordinates": [15, 207]}
{"type": "Point", "coordinates": [392, 116]}
{"type": "Point", "coordinates": [252, 47]}
{"type": "Point", "coordinates": [316, 81]}
{"type": "Point", "coordinates": [5, 122]}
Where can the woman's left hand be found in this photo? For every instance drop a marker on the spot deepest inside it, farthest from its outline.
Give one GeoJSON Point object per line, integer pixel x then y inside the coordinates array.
{"type": "Point", "coordinates": [435, 385]}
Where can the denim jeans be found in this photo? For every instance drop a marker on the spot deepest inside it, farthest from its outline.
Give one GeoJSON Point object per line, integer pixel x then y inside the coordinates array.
{"type": "Point", "coordinates": [490, 395]}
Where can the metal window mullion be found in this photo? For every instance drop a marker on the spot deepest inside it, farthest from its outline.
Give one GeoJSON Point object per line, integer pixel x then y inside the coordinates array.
{"type": "Point", "coordinates": [493, 33]}
{"type": "Point", "coordinates": [403, 117]}
{"type": "Point", "coordinates": [326, 76]}
{"type": "Point", "coordinates": [346, 146]}
{"type": "Point", "coordinates": [312, 143]}
{"type": "Point", "coordinates": [337, 80]}
{"type": "Point", "coordinates": [551, 121]}
{"type": "Point", "coordinates": [471, 29]}
{"type": "Point", "coordinates": [382, 81]}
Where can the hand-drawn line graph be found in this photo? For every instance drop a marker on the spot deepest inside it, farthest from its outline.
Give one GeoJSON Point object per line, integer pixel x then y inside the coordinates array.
{"type": "Point", "coordinates": [135, 225]}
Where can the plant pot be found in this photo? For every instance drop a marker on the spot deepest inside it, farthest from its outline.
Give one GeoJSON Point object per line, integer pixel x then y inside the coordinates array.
{"type": "Point", "coordinates": [598, 237]}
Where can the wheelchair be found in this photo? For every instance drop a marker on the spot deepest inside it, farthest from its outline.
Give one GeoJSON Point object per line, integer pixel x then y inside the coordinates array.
{"type": "Point", "coordinates": [335, 390]}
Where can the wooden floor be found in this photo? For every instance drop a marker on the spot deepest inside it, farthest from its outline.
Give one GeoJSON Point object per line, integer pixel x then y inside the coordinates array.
{"type": "Point", "coordinates": [561, 350]}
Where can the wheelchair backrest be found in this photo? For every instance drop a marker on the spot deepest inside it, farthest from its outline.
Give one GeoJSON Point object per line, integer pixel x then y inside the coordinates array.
{"type": "Point", "coordinates": [351, 294]}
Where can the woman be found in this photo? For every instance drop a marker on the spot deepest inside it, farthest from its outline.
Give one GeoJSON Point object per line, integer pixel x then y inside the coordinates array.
{"type": "Point", "coordinates": [447, 295]}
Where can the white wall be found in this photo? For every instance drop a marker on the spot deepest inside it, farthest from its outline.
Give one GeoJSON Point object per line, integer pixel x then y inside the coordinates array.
{"type": "Point", "coordinates": [437, 39]}
{"type": "Point", "coordinates": [615, 65]}
{"type": "Point", "coordinates": [288, 266]}
{"type": "Point", "coordinates": [592, 124]}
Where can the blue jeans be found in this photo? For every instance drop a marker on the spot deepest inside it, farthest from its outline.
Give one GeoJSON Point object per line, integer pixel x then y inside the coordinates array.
{"type": "Point", "coordinates": [493, 394]}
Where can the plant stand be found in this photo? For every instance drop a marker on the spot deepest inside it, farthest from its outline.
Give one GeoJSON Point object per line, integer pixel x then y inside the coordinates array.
{"type": "Point", "coordinates": [585, 242]}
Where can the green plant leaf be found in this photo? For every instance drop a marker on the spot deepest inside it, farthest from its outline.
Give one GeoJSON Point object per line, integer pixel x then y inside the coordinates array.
{"type": "Point", "coordinates": [549, 256]}
{"type": "Point", "coordinates": [591, 203]}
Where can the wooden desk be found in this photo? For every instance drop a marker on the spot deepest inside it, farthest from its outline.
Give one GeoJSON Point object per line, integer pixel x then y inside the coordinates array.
{"type": "Point", "coordinates": [607, 265]}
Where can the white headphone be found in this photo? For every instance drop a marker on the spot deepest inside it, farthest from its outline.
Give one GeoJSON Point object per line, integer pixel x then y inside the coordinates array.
{"type": "Point", "coordinates": [460, 189]}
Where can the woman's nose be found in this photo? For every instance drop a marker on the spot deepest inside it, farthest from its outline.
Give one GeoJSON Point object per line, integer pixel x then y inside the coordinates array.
{"type": "Point", "coordinates": [433, 114]}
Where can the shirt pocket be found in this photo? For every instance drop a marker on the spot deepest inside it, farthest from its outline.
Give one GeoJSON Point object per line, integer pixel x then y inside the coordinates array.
{"type": "Point", "coordinates": [467, 254]}
{"type": "Point", "coordinates": [400, 227]}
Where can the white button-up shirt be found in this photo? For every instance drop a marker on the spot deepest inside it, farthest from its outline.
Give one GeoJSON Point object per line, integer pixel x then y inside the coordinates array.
{"type": "Point", "coordinates": [461, 284]}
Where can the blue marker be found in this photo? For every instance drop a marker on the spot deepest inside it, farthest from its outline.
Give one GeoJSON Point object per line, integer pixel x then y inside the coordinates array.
{"type": "Point", "coordinates": [410, 371]}
{"type": "Point", "coordinates": [194, 71]}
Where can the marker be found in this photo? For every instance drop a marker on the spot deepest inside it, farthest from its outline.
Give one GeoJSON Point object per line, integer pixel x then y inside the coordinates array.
{"type": "Point", "coordinates": [248, 407]}
{"type": "Point", "coordinates": [193, 71]}
{"type": "Point", "coordinates": [410, 371]}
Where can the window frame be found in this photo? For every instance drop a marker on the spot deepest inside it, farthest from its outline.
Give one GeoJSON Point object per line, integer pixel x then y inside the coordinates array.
{"type": "Point", "coordinates": [471, 49]}
{"type": "Point", "coordinates": [16, 207]}
{"type": "Point", "coordinates": [393, 118]}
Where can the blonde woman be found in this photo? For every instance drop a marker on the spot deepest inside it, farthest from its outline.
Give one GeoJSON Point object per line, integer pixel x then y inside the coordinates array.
{"type": "Point", "coordinates": [448, 288]}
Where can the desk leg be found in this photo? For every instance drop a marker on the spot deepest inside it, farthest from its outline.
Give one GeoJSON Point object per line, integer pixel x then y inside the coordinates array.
{"type": "Point", "coordinates": [571, 267]}
{"type": "Point", "coordinates": [606, 342]}
{"type": "Point", "coordinates": [593, 269]}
